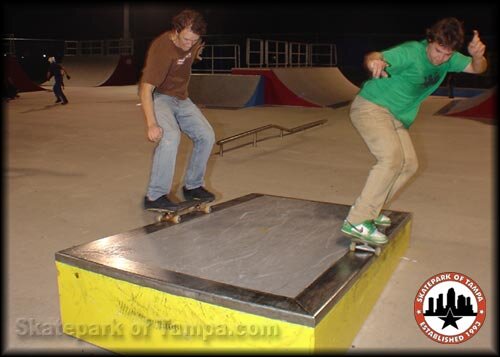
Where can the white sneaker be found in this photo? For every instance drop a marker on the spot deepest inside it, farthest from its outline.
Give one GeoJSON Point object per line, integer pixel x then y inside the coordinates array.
{"type": "Point", "coordinates": [382, 220]}
{"type": "Point", "coordinates": [365, 231]}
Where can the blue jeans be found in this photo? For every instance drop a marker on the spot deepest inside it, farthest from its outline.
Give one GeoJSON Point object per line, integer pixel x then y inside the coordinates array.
{"type": "Point", "coordinates": [174, 115]}
{"type": "Point", "coordinates": [58, 92]}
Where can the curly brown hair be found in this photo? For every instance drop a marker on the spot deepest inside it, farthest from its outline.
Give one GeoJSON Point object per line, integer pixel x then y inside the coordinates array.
{"type": "Point", "coordinates": [190, 18]}
{"type": "Point", "coordinates": [448, 32]}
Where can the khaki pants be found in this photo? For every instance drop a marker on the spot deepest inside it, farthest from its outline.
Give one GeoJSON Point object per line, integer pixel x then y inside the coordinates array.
{"type": "Point", "coordinates": [389, 141]}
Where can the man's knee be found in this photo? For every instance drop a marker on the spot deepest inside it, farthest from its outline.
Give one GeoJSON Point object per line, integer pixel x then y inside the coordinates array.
{"type": "Point", "coordinates": [210, 137]}
{"type": "Point", "coordinates": [170, 138]}
{"type": "Point", "coordinates": [206, 136]}
{"type": "Point", "coordinates": [411, 167]}
{"type": "Point", "coordinates": [393, 160]}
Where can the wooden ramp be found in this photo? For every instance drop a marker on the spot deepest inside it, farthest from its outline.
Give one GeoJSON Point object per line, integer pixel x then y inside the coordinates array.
{"type": "Point", "coordinates": [325, 86]}
{"type": "Point", "coordinates": [226, 90]}
{"type": "Point", "coordinates": [18, 77]}
{"type": "Point", "coordinates": [480, 107]}
{"type": "Point", "coordinates": [96, 71]}
{"type": "Point", "coordinates": [304, 86]}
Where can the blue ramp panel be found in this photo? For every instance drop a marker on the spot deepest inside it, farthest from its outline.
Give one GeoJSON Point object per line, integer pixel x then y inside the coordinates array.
{"type": "Point", "coordinates": [259, 272]}
{"type": "Point", "coordinates": [258, 96]}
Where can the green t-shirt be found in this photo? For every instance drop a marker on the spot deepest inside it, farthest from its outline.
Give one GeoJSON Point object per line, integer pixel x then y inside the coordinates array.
{"type": "Point", "coordinates": [412, 78]}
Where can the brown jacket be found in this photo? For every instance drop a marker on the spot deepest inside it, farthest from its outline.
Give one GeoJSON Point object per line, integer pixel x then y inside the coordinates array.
{"type": "Point", "coordinates": [168, 67]}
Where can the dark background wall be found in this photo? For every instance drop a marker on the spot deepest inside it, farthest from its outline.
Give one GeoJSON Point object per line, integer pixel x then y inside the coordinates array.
{"type": "Point", "coordinates": [355, 27]}
{"type": "Point", "coordinates": [105, 20]}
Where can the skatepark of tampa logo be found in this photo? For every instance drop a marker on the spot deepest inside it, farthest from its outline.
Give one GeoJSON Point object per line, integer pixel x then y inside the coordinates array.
{"type": "Point", "coordinates": [450, 308]}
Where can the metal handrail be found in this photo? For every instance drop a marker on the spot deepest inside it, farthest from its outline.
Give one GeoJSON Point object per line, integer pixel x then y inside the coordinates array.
{"type": "Point", "coordinates": [255, 131]}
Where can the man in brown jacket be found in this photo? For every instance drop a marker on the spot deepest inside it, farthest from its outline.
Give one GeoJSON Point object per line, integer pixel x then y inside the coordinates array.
{"type": "Point", "coordinates": [168, 111]}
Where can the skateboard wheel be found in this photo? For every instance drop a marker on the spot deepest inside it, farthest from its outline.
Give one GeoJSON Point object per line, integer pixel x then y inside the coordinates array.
{"type": "Point", "coordinates": [176, 219]}
{"type": "Point", "coordinates": [159, 218]}
{"type": "Point", "coordinates": [378, 250]}
{"type": "Point", "coordinates": [207, 209]}
{"type": "Point", "coordinates": [352, 246]}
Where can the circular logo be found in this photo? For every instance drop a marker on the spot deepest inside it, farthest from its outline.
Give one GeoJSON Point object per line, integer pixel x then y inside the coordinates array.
{"type": "Point", "coordinates": [450, 308]}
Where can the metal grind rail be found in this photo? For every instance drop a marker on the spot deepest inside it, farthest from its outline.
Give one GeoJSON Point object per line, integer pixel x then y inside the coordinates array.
{"type": "Point", "coordinates": [283, 132]}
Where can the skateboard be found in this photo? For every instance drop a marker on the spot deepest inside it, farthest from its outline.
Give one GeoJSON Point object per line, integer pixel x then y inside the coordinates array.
{"type": "Point", "coordinates": [174, 216]}
{"type": "Point", "coordinates": [360, 244]}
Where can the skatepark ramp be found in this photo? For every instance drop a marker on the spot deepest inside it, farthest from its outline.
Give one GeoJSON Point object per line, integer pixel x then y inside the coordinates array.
{"type": "Point", "coordinates": [275, 92]}
{"type": "Point", "coordinates": [308, 87]}
{"type": "Point", "coordinates": [16, 74]}
{"type": "Point", "coordinates": [324, 86]}
{"type": "Point", "coordinates": [96, 71]}
{"type": "Point", "coordinates": [226, 90]}
{"type": "Point", "coordinates": [480, 107]}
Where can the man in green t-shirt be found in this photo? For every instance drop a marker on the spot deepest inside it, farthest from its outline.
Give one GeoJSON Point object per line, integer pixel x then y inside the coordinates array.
{"type": "Point", "coordinates": [386, 106]}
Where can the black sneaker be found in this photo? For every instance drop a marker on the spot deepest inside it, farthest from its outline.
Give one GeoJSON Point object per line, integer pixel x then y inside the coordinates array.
{"type": "Point", "coordinates": [58, 101]}
{"type": "Point", "coordinates": [199, 193]}
{"type": "Point", "coordinates": [162, 203]}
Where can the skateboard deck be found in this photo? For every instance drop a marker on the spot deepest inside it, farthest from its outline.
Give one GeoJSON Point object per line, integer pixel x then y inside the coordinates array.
{"type": "Point", "coordinates": [360, 244]}
{"type": "Point", "coordinates": [185, 207]}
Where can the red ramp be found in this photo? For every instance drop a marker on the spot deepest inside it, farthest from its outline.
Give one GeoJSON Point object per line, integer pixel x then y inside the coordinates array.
{"type": "Point", "coordinates": [18, 76]}
{"type": "Point", "coordinates": [304, 86]}
{"type": "Point", "coordinates": [125, 73]}
{"type": "Point", "coordinates": [275, 92]}
{"type": "Point", "coordinates": [481, 107]}
{"type": "Point", "coordinates": [324, 86]}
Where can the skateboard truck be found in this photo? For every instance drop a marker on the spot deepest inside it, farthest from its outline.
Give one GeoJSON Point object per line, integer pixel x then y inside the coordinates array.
{"type": "Point", "coordinates": [185, 207]}
{"type": "Point", "coordinates": [364, 246]}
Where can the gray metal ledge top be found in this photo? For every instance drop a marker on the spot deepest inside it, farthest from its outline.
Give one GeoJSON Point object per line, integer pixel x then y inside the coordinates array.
{"type": "Point", "coordinates": [278, 257]}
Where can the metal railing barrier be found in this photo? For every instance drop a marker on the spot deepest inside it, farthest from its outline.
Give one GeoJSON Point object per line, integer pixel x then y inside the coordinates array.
{"type": "Point", "coordinates": [298, 54]}
{"type": "Point", "coordinates": [99, 47]}
{"type": "Point", "coordinates": [323, 54]}
{"type": "Point", "coordinates": [218, 58]}
{"type": "Point", "coordinates": [254, 52]}
{"type": "Point", "coordinates": [276, 53]}
{"type": "Point", "coordinates": [271, 53]}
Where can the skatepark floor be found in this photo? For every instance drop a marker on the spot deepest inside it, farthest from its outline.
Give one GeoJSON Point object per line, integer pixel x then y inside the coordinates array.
{"type": "Point", "coordinates": [77, 173]}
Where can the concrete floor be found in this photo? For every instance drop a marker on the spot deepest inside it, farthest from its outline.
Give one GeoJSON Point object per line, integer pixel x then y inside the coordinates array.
{"type": "Point", "coordinates": [77, 173]}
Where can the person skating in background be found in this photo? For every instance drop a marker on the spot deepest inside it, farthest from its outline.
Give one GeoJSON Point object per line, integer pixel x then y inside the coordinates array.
{"type": "Point", "coordinates": [58, 72]}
